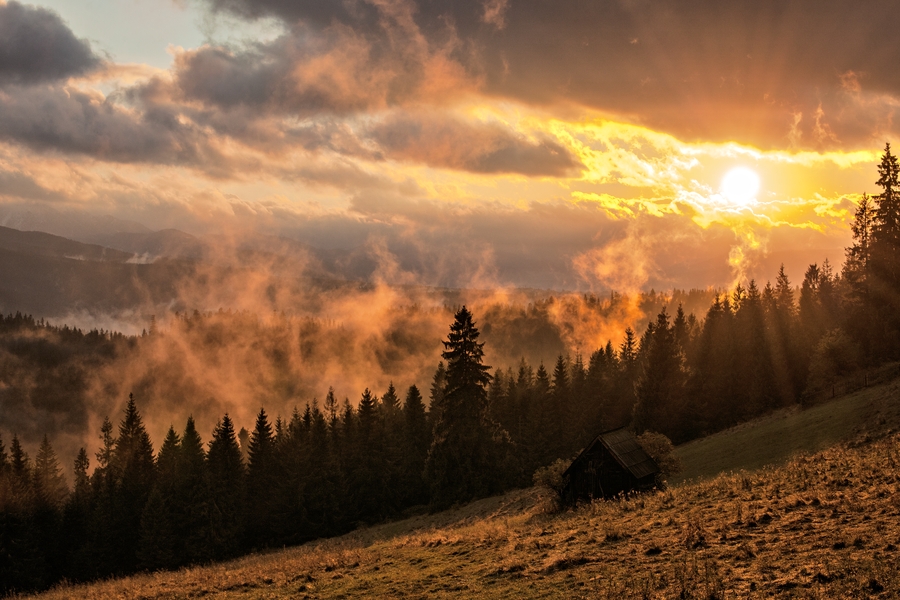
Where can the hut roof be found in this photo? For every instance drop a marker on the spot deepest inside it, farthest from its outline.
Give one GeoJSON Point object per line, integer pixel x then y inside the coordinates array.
{"type": "Point", "coordinates": [623, 446]}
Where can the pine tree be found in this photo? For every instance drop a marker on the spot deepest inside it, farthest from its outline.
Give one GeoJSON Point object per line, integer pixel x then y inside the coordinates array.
{"type": "Point", "coordinates": [226, 478]}
{"type": "Point", "coordinates": [193, 509]}
{"type": "Point", "coordinates": [620, 407]}
{"type": "Point", "coordinates": [660, 388]}
{"type": "Point", "coordinates": [812, 318]}
{"type": "Point", "coordinates": [262, 479]}
{"type": "Point", "coordinates": [50, 493]}
{"type": "Point", "coordinates": [82, 481]}
{"type": "Point", "coordinates": [49, 484]}
{"type": "Point", "coordinates": [540, 413]}
{"type": "Point", "coordinates": [392, 432]}
{"type": "Point", "coordinates": [133, 469]}
{"type": "Point", "coordinates": [323, 504]}
{"type": "Point", "coordinates": [416, 443]}
{"type": "Point", "coordinates": [20, 464]}
{"type": "Point", "coordinates": [368, 475]}
{"type": "Point", "coordinates": [22, 562]}
{"type": "Point", "coordinates": [783, 327]}
{"type": "Point", "coordinates": [160, 533]}
{"type": "Point", "coordinates": [389, 400]}
{"type": "Point", "coordinates": [108, 441]}
{"type": "Point", "coordinates": [859, 252]}
{"type": "Point", "coordinates": [76, 518]}
{"type": "Point", "coordinates": [560, 421]}
{"type": "Point", "coordinates": [884, 260]}
{"type": "Point", "coordinates": [437, 392]}
{"type": "Point", "coordinates": [886, 225]}
{"type": "Point", "coordinates": [466, 455]}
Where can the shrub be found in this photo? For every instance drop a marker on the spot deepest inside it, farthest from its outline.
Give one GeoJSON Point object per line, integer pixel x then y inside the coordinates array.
{"type": "Point", "coordinates": [661, 450]}
{"type": "Point", "coordinates": [550, 479]}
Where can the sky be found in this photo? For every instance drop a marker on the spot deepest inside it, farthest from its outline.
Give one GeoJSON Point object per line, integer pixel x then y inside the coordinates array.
{"type": "Point", "coordinates": [581, 145]}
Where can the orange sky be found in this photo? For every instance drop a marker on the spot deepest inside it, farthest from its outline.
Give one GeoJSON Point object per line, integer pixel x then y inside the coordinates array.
{"type": "Point", "coordinates": [577, 145]}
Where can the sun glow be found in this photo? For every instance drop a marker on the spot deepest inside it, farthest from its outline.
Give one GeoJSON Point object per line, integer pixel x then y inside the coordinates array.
{"type": "Point", "coordinates": [740, 186]}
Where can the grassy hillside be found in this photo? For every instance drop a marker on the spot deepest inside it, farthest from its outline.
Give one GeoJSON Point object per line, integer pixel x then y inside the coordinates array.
{"type": "Point", "coordinates": [775, 438]}
{"type": "Point", "coordinates": [820, 525]}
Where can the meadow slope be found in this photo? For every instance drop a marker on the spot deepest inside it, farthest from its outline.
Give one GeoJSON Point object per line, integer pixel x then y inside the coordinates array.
{"type": "Point", "coordinates": [823, 525]}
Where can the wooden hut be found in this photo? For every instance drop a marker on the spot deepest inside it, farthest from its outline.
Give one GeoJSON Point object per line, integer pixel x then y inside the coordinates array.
{"type": "Point", "coordinates": [611, 464]}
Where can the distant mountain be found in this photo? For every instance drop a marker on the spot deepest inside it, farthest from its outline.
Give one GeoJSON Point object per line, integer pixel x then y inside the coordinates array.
{"type": "Point", "coordinates": [50, 276]}
{"type": "Point", "coordinates": [37, 243]}
{"type": "Point", "coordinates": [73, 224]}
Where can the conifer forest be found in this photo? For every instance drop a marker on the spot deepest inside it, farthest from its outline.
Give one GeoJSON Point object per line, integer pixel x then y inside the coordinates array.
{"type": "Point", "coordinates": [132, 503]}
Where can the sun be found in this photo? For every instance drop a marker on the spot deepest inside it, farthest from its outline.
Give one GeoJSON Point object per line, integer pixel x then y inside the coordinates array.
{"type": "Point", "coordinates": [739, 186]}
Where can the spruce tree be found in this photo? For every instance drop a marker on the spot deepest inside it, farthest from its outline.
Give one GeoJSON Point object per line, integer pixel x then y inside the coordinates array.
{"type": "Point", "coordinates": [226, 478]}
{"type": "Point", "coordinates": [76, 518]}
{"type": "Point", "coordinates": [540, 414]}
{"type": "Point", "coordinates": [416, 443]}
{"type": "Point", "coordinates": [660, 388]}
{"type": "Point", "coordinates": [886, 226]}
{"type": "Point", "coordinates": [23, 563]}
{"type": "Point", "coordinates": [160, 532]}
{"type": "Point", "coordinates": [466, 456]}
{"type": "Point", "coordinates": [50, 486]}
{"type": "Point", "coordinates": [193, 508]}
{"type": "Point", "coordinates": [559, 423]}
{"type": "Point", "coordinates": [262, 479]}
{"type": "Point", "coordinates": [323, 505]}
{"type": "Point", "coordinates": [133, 469]}
{"type": "Point", "coordinates": [884, 260]}
{"type": "Point", "coordinates": [392, 447]}
{"type": "Point", "coordinates": [367, 476]}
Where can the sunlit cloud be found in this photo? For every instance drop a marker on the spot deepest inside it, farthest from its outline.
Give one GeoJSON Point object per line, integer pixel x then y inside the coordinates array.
{"type": "Point", "coordinates": [415, 132]}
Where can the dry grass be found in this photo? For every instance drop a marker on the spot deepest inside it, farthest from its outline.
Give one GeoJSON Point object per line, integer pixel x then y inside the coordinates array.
{"type": "Point", "coordinates": [823, 525]}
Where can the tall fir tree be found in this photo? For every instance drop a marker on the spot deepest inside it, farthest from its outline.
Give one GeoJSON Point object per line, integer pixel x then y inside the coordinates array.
{"type": "Point", "coordinates": [416, 441]}
{"type": "Point", "coordinates": [884, 261]}
{"type": "Point", "coordinates": [226, 479]}
{"type": "Point", "coordinates": [467, 451]}
{"type": "Point", "coordinates": [660, 388]}
{"type": "Point", "coordinates": [160, 534]}
{"type": "Point", "coordinates": [262, 479]}
{"type": "Point", "coordinates": [133, 471]}
{"type": "Point", "coordinates": [49, 483]}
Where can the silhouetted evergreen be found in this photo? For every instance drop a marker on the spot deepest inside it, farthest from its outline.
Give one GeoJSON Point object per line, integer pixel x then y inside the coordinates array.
{"type": "Point", "coordinates": [466, 456]}
{"type": "Point", "coordinates": [226, 491]}
{"type": "Point", "coordinates": [416, 441]}
{"type": "Point", "coordinates": [262, 482]}
{"type": "Point", "coordinates": [133, 470]}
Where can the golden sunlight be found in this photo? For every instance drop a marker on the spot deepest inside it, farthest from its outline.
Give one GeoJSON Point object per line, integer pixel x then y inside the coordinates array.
{"type": "Point", "coordinates": [740, 186]}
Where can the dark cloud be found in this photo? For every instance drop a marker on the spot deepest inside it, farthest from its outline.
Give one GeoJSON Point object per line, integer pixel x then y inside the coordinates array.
{"type": "Point", "coordinates": [703, 70]}
{"type": "Point", "coordinates": [338, 70]}
{"type": "Point", "coordinates": [242, 94]}
{"type": "Point", "coordinates": [442, 141]}
{"type": "Point", "coordinates": [218, 76]}
{"type": "Point", "coordinates": [35, 45]}
{"type": "Point", "coordinates": [67, 120]}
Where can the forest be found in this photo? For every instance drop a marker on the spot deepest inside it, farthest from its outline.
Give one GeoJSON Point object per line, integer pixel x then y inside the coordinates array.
{"type": "Point", "coordinates": [473, 431]}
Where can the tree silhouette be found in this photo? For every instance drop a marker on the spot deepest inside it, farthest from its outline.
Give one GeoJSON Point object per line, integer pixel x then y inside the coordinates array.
{"type": "Point", "coordinates": [226, 479]}
{"type": "Point", "coordinates": [465, 455]}
{"type": "Point", "coordinates": [262, 479]}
